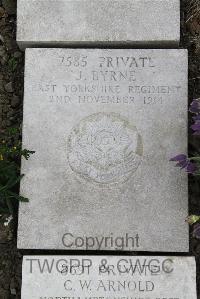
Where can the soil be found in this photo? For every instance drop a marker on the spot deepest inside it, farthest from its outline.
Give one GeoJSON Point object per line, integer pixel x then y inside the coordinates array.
{"type": "Point", "coordinates": [11, 102]}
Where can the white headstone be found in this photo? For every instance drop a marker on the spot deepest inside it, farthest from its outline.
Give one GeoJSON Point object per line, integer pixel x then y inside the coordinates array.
{"type": "Point", "coordinates": [108, 277]}
{"type": "Point", "coordinates": [98, 22]}
{"type": "Point", "coordinates": [104, 125]}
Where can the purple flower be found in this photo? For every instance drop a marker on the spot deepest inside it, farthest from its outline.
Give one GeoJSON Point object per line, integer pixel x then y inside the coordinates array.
{"type": "Point", "coordinates": [191, 167]}
{"type": "Point", "coordinates": [195, 106]}
{"type": "Point", "coordinates": [183, 162]}
{"type": "Point", "coordinates": [196, 118]}
{"type": "Point", "coordinates": [179, 158]}
{"type": "Point", "coordinates": [196, 231]}
{"type": "Point", "coordinates": [196, 128]}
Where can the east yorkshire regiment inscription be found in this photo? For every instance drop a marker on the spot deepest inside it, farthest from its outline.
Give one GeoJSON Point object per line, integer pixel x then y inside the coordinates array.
{"type": "Point", "coordinates": [106, 277]}
{"type": "Point", "coordinates": [104, 124]}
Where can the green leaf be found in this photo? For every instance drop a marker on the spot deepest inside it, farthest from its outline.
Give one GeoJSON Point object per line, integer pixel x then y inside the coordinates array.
{"type": "Point", "coordinates": [195, 159]}
{"type": "Point", "coordinates": [18, 197]}
{"type": "Point", "coordinates": [4, 210]}
{"type": "Point", "coordinates": [12, 63]}
{"type": "Point", "coordinates": [12, 131]}
{"type": "Point", "coordinates": [10, 154]}
{"type": "Point", "coordinates": [9, 204]}
{"type": "Point", "coordinates": [13, 181]}
{"type": "Point", "coordinates": [23, 199]}
{"type": "Point", "coordinates": [26, 153]}
{"type": "Point", "coordinates": [193, 219]}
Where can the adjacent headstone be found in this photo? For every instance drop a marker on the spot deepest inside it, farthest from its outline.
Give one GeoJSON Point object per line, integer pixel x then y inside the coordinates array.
{"type": "Point", "coordinates": [98, 22]}
{"type": "Point", "coordinates": [108, 277]}
{"type": "Point", "coordinates": [104, 125]}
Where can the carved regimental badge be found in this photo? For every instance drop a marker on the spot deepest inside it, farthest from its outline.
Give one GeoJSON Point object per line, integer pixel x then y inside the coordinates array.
{"type": "Point", "coordinates": [104, 148]}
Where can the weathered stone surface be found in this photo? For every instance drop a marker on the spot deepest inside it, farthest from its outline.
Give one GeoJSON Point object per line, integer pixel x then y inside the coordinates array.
{"type": "Point", "coordinates": [104, 124]}
{"type": "Point", "coordinates": [98, 22]}
{"type": "Point", "coordinates": [72, 277]}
